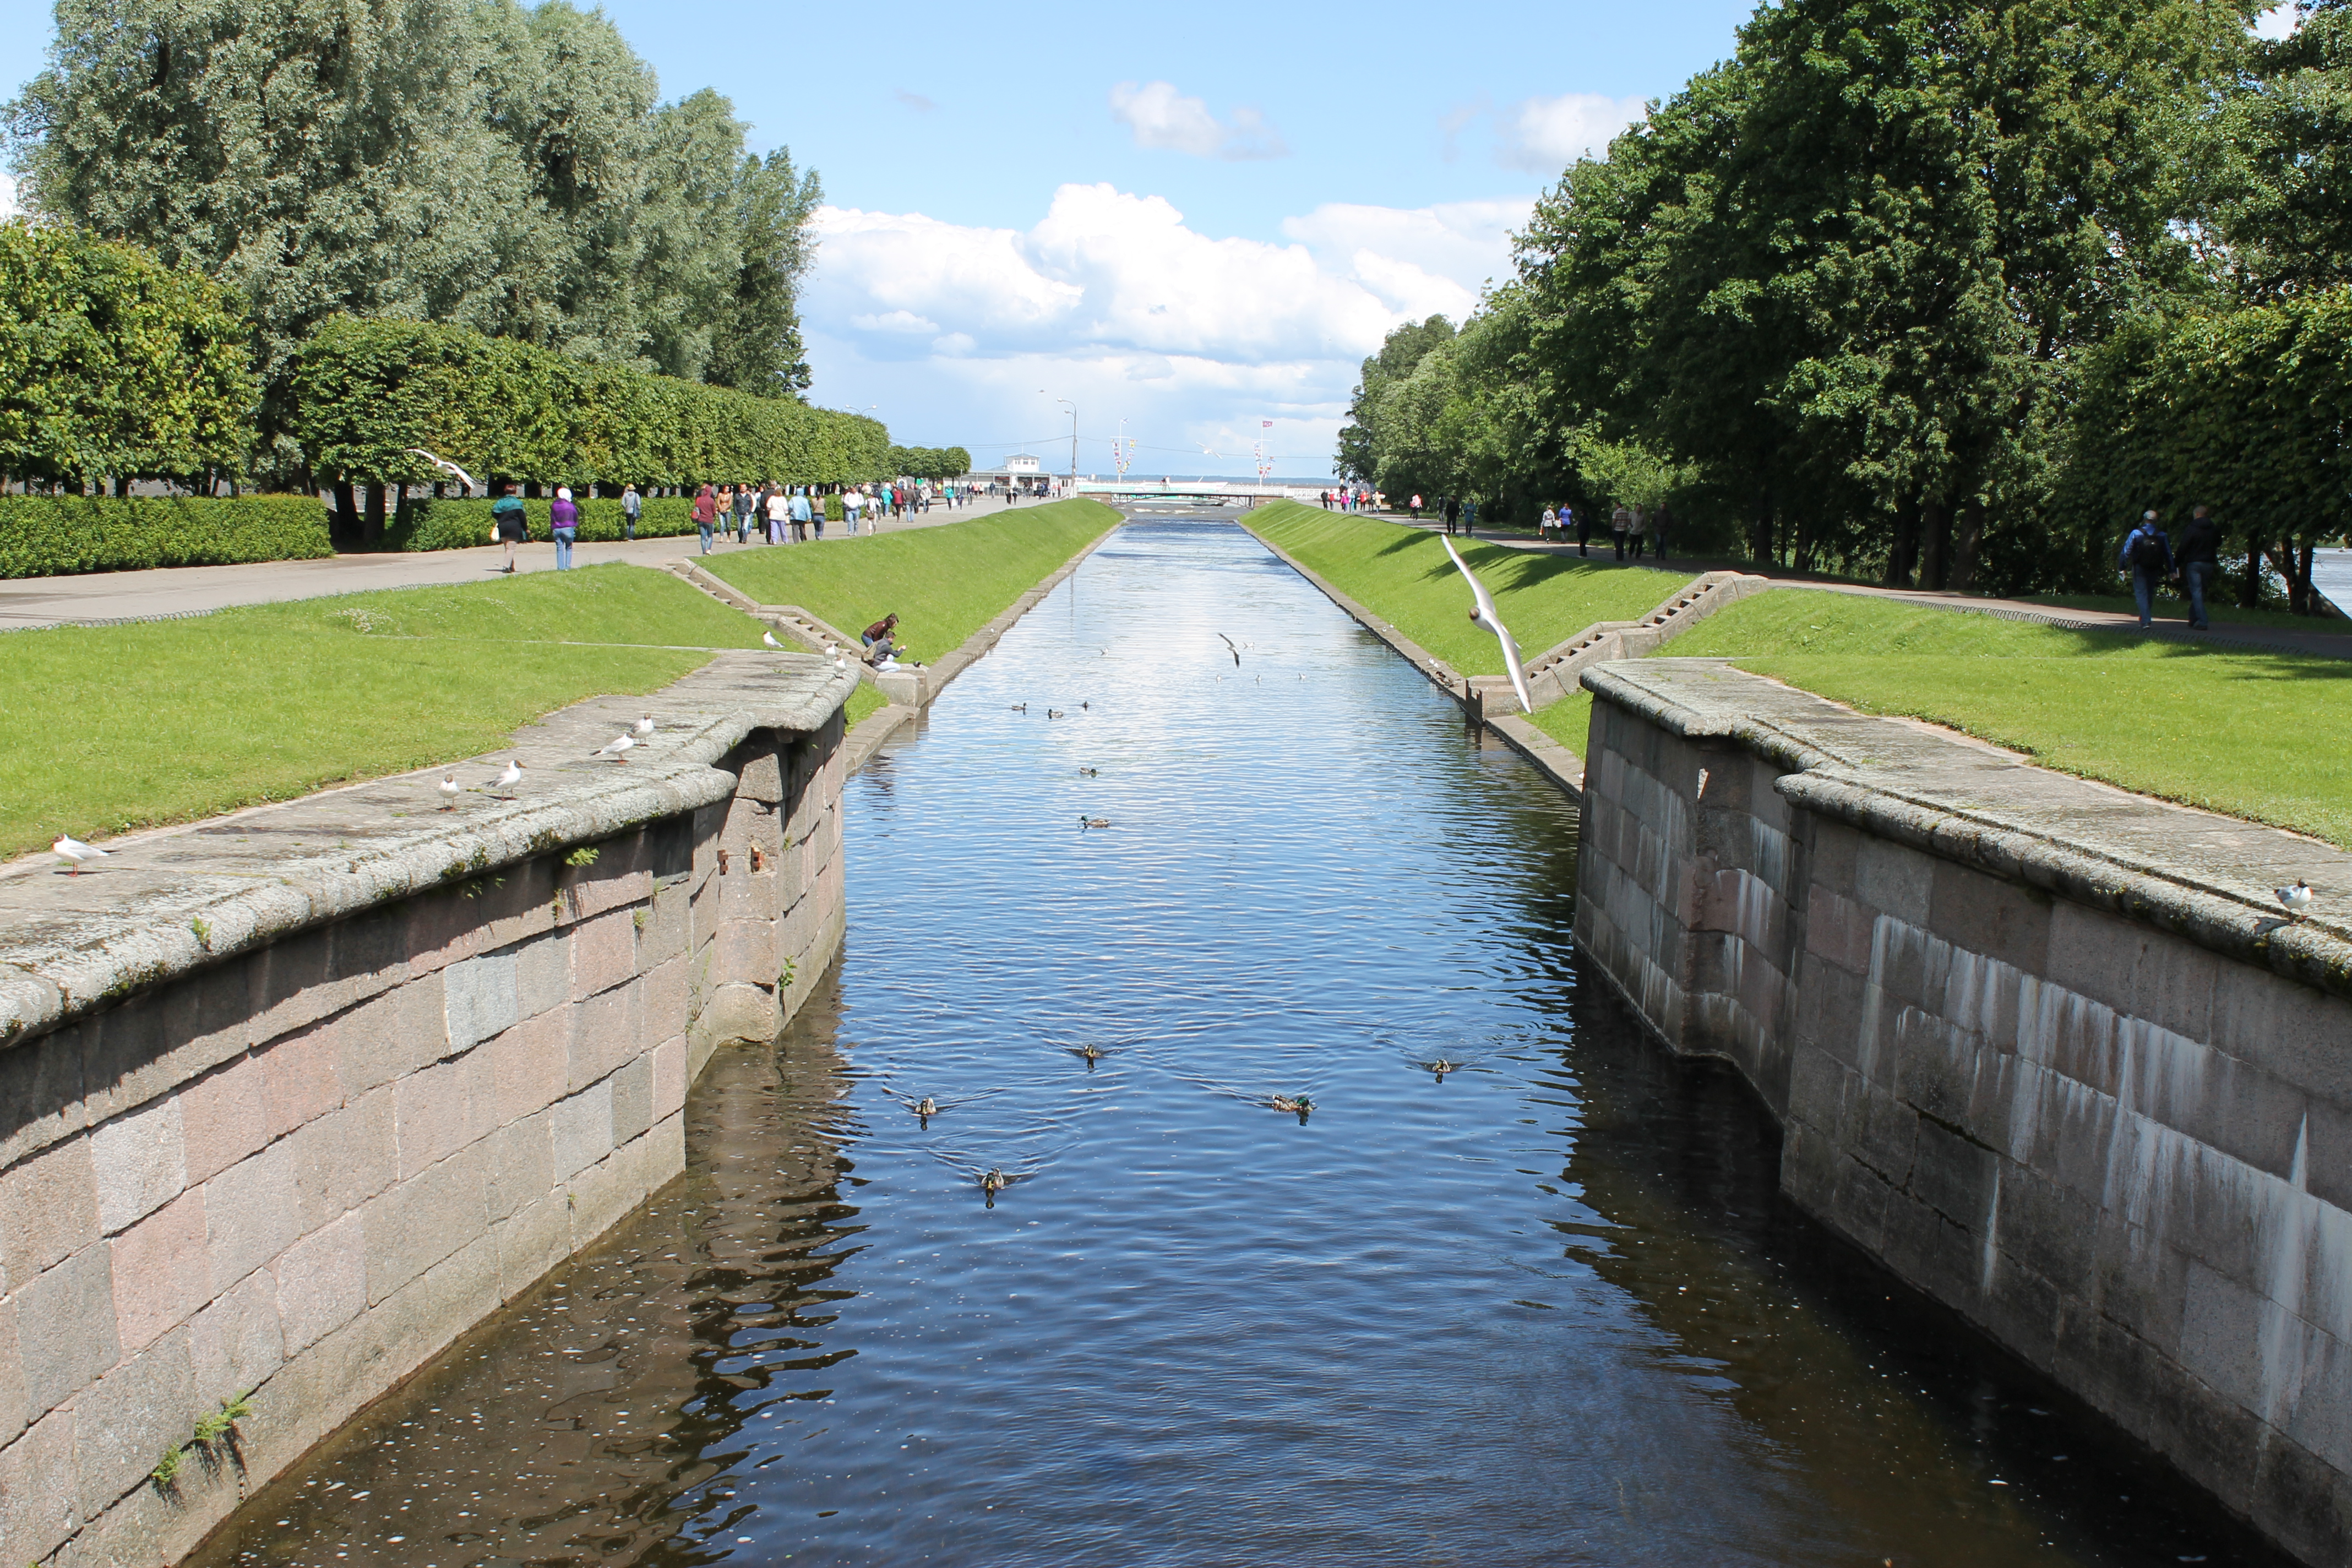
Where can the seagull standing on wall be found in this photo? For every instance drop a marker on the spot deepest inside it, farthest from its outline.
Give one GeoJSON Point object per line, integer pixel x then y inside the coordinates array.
{"type": "Point", "coordinates": [2298, 898]}
{"type": "Point", "coordinates": [770, 639]}
{"type": "Point", "coordinates": [1483, 613]}
{"type": "Point", "coordinates": [76, 852]}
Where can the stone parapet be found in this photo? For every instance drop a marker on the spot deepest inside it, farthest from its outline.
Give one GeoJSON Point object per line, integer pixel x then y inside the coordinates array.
{"type": "Point", "coordinates": [290, 1099]}
{"type": "Point", "coordinates": [2048, 1049]}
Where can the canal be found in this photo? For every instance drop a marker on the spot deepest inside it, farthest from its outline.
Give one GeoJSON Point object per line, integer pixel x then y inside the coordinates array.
{"type": "Point", "coordinates": [1543, 1309]}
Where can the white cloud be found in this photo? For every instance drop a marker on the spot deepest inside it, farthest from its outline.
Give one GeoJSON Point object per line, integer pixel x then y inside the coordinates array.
{"type": "Point", "coordinates": [2278, 22]}
{"type": "Point", "coordinates": [1548, 134]}
{"type": "Point", "coordinates": [1112, 300]}
{"type": "Point", "coordinates": [1163, 118]}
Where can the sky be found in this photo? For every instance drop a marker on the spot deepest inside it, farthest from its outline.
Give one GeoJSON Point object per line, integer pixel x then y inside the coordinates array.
{"type": "Point", "coordinates": [1192, 226]}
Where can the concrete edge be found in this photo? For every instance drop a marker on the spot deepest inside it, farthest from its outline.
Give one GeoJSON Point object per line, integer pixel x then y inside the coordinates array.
{"type": "Point", "coordinates": [2213, 917]}
{"type": "Point", "coordinates": [1551, 758]}
{"type": "Point", "coordinates": [1435, 671]}
{"type": "Point", "coordinates": [47, 986]}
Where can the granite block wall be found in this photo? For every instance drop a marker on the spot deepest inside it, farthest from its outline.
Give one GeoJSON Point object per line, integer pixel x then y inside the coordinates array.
{"type": "Point", "coordinates": [2123, 1154]}
{"type": "Point", "coordinates": [296, 1175]}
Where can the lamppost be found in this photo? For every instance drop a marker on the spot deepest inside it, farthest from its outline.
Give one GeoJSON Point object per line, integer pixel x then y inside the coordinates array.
{"type": "Point", "coordinates": [1074, 436]}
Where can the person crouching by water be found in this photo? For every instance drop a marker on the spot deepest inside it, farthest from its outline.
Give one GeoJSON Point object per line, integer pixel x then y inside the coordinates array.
{"type": "Point", "coordinates": [565, 522]}
{"type": "Point", "coordinates": [878, 640]}
{"type": "Point", "coordinates": [513, 527]}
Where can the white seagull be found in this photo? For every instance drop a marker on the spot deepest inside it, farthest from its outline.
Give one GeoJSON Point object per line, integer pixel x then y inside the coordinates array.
{"type": "Point", "coordinates": [450, 790]}
{"type": "Point", "coordinates": [75, 850]}
{"type": "Point", "coordinates": [770, 639]}
{"type": "Point", "coordinates": [448, 467]}
{"type": "Point", "coordinates": [511, 776]}
{"type": "Point", "coordinates": [2296, 899]}
{"type": "Point", "coordinates": [618, 749]}
{"type": "Point", "coordinates": [1483, 613]}
{"type": "Point", "coordinates": [644, 727]}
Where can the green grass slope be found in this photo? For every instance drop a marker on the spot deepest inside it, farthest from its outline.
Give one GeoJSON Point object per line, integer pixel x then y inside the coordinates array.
{"type": "Point", "coordinates": [943, 583]}
{"type": "Point", "coordinates": [2262, 736]}
{"type": "Point", "coordinates": [105, 728]}
{"type": "Point", "coordinates": [1402, 574]}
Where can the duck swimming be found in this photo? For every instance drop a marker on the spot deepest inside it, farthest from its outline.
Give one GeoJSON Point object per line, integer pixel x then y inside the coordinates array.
{"type": "Point", "coordinates": [1299, 1103]}
{"type": "Point", "coordinates": [1087, 822]}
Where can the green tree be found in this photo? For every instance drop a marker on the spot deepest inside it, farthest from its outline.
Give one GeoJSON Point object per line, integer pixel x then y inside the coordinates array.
{"type": "Point", "coordinates": [2279, 211]}
{"type": "Point", "coordinates": [1400, 354]}
{"type": "Point", "coordinates": [503, 168]}
{"type": "Point", "coordinates": [114, 365]}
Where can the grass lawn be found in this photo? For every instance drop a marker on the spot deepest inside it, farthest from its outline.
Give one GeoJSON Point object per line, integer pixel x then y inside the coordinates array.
{"type": "Point", "coordinates": [105, 728]}
{"type": "Point", "coordinates": [1402, 574]}
{"type": "Point", "coordinates": [943, 583]}
{"type": "Point", "coordinates": [2257, 735]}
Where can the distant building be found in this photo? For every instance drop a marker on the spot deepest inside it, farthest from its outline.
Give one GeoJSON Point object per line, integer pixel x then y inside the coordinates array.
{"type": "Point", "coordinates": [1021, 463]}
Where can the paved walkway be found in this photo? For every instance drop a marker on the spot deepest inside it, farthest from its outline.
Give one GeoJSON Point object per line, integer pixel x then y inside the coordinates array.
{"type": "Point", "coordinates": [2275, 639]}
{"type": "Point", "coordinates": [98, 597]}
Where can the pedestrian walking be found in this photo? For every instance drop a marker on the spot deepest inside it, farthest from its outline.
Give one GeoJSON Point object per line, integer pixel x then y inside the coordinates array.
{"type": "Point", "coordinates": [1452, 510]}
{"type": "Point", "coordinates": [563, 519]}
{"type": "Point", "coordinates": [513, 528]}
{"type": "Point", "coordinates": [800, 515]}
{"type": "Point", "coordinates": [1547, 525]}
{"type": "Point", "coordinates": [780, 514]}
{"type": "Point", "coordinates": [1659, 520]}
{"type": "Point", "coordinates": [1640, 532]}
{"type": "Point", "coordinates": [2200, 562]}
{"type": "Point", "coordinates": [705, 515]}
{"type": "Point", "coordinates": [1571, 518]}
{"type": "Point", "coordinates": [2147, 554]}
{"type": "Point", "coordinates": [744, 502]}
{"type": "Point", "coordinates": [633, 506]}
{"type": "Point", "coordinates": [1619, 521]}
{"type": "Point", "coordinates": [1416, 506]}
{"type": "Point", "coordinates": [853, 501]}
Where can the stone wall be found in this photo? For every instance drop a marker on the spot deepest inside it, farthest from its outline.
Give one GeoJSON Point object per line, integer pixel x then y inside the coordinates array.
{"type": "Point", "coordinates": [296, 1169]}
{"type": "Point", "coordinates": [2044, 1048]}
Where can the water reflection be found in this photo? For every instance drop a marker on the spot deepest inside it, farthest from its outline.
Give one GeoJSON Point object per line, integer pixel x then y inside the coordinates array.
{"type": "Point", "coordinates": [1542, 1308]}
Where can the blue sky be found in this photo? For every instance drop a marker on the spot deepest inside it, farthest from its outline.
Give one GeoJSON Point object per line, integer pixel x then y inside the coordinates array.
{"type": "Point", "coordinates": [1193, 221]}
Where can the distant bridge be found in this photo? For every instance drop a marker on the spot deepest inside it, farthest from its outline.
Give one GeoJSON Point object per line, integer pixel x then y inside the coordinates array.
{"type": "Point", "coordinates": [1197, 489]}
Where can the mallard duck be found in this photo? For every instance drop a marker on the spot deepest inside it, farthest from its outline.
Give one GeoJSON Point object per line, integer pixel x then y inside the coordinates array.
{"type": "Point", "coordinates": [1090, 772]}
{"type": "Point", "coordinates": [1056, 713]}
{"type": "Point", "coordinates": [1299, 1103]}
{"type": "Point", "coordinates": [1087, 822]}
{"type": "Point", "coordinates": [1018, 708]}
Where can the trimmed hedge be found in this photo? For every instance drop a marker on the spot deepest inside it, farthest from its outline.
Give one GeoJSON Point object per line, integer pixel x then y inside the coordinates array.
{"type": "Point", "coordinates": [455, 524]}
{"type": "Point", "coordinates": [365, 392]}
{"type": "Point", "coordinates": [46, 536]}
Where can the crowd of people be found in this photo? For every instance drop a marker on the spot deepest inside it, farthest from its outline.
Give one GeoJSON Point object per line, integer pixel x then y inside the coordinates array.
{"type": "Point", "coordinates": [1634, 532]}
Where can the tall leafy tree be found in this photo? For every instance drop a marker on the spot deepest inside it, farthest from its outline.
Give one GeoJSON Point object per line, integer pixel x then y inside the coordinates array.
{"type": "Point", "coordinates": [1400, 353]}
{"type": "Point", "coordinates": [504, 168]}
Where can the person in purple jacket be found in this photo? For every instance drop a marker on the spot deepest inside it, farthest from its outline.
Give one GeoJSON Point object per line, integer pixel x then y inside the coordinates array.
{"type": "Point", "coordinates": [564, 517]}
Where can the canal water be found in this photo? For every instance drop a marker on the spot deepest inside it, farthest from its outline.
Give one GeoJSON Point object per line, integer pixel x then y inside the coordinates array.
{"type": "Point", "coordinates": [1545, 1309]}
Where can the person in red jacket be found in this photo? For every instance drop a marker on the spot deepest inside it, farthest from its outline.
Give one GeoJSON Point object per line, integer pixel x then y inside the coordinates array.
{"type": "Point", "coordinates": [878, 639]}
{"type": "Point", "coordinates": [706, 514]}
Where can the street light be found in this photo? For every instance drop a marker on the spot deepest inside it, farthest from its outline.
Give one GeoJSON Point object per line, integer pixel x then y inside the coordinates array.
{"type": "Point", "coordinates": [1074, 435]}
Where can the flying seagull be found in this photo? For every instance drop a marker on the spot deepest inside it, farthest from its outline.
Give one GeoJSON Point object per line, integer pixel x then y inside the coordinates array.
{"type": "Point", "coordinates": [76, 852]}
{"type": "Point", "coordinates": [1229, 643]}
{"type": "Point", "coordinates": [618, 748]}
{"type": "Point", "coordinates": [448, 467]}
{"type": "Point", "coordinates": [1483, 613]}
{"type": "Point", "coordinates": [2296, 899]}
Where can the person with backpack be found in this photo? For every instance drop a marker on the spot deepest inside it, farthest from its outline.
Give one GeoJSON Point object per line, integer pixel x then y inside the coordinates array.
{"type": "Point", "coordinates": [513, 527]}
{"type": "Point", "coordinates": [633, 506]}
{"type": "Point", "coordinates": [2147, 554]}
